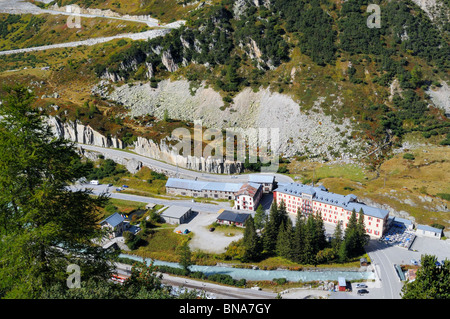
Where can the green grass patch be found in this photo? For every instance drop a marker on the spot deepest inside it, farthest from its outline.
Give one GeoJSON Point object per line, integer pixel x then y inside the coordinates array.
{"type": "Point", "coordinates": [348, 171]}
{"type": "Point", "coordinates": [162, 245]}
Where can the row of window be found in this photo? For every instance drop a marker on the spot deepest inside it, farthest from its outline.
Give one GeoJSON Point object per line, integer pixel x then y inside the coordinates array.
{"type": "Point", "coordinates": [293, 209]}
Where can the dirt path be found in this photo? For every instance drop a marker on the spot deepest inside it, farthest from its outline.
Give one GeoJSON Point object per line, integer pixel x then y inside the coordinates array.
{"type": "Point", "coordinates": [21, 7]}
{"type": "Point", "coordinates": [134, 36]}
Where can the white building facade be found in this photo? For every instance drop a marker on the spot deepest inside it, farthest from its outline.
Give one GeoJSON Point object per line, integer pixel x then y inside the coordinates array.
{"type": "Point", "coordinates": [330, 206]}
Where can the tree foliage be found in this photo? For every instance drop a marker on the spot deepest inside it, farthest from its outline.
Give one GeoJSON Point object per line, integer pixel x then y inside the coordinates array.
{"type": "Point", "coordinates": [43, 225]}
{"type": "Point", "coordinates": [432, 281]}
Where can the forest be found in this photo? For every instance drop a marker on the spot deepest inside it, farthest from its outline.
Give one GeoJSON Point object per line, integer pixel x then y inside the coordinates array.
{"type": "Point", "coordinates": [304, 242]}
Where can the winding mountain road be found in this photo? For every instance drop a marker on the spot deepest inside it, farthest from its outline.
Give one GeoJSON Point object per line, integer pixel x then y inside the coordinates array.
{"type": "Point", "coordinates": [21, 7]}
{"type": "Point", "coordinates": [181, 172]}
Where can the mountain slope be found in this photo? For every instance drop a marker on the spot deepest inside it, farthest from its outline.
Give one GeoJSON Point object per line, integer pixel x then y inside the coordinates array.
{"type": "Point", "coordinates": [319, 53]}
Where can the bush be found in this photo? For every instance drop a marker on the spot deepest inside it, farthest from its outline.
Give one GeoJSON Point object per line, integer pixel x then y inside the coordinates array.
{"type": "Point", "coordinates": [408, 156]}
{"type": "Point", "coordinates": [444, 196]}
{"type": "Point", "coordinates": [279, 281]}
{"type": "Point", "coordinates": [133, 241]}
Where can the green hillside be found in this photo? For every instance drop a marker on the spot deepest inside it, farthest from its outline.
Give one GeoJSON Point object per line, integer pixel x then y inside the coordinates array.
{"type": "Point", "coordinates": [259, 46]}
{"type": "Point", "coordinates": [309, 50]}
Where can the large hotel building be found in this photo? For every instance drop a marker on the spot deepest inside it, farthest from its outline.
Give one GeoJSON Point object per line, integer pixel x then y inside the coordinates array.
{"type": "Point", "coordinates": [331, 207]}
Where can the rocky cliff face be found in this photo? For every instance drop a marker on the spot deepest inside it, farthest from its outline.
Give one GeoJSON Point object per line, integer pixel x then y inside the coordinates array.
{"type": "Point", "coordinates": [436, 10]}
{"type": "Point", "coordinates": [166, 154]}
{"type": "Point", "coordinates": [310, 133]}
{"type": "Point", "coordinates": [79, 133]}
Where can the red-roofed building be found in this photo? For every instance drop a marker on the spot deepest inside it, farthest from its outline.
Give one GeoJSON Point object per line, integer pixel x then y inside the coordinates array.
{"type": "Point", "coordinates": [248, 197]}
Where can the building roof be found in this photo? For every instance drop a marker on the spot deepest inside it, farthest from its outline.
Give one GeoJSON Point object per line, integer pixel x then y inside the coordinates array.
{"type": "Point", "coordinates": [258, 178]}
{"type": "Point", "coordinates": [429, 228]}
{"type": "Point", "coordinates": [175, 211]}
{"type": "Point", "coordinates": [222, 187]}
{"type": "Point", "coordinates": [113, 220]}
{"type": "Point", "coordinates": [201, 185]}
{"type": "Point", "coordinates": [320, 194]}
{"type": "Point", "coordinates": [401, 220]}
{"type": "Point", "coordinates": [233, 217]}
{"type": "Point", "coordinates": [249, 189]}
{"type": "Point", "coordinates": [185, 183]}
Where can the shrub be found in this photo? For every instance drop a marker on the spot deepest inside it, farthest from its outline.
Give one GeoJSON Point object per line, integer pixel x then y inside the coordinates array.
{"type": "Point", "coordinates": [408, 156]}
{"type": "Point", "coordinates": [279, 281]}
{"type": "Point", "coordinates": [444, 196]}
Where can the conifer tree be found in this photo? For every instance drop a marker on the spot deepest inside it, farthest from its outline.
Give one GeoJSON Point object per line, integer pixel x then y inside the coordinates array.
{"type": "Point", "coordinates": [44, 227]}
{"type": "Point", "coordinates": [309, 248]}
{"type": "Point", "coordinates": [298, 238]}
{"type": "Point", "coordinates": [337, 237]}
{"type": "Point", "coordinates": [260, 217]}
{"type": "Point", "coordinates": [319, 235]}
{"type": "Point", "coordinates": [251, 241]}
{"type": "Point", "coordinates": [284, 241]}
{"type": "Point", "coordinates": [363, 237]}
{"type": "Point", "coordinates": [271, 230]}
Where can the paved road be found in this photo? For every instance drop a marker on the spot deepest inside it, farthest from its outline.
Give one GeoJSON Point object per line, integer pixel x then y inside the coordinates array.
{"type": "Point", "coordinates": [134, 36]}
{"type": "Point", "coordinates": [199, 207]}
{"type": "Point", "coordinates": [20, 7]}
{"type": "Point", "coordinates": [214, 290]}
{"type": "Point", "coordinates": [218, 291]}
{"type": "Point", "coordinates": [183, 173]}
{"type": "Point", "coordinates": [382, 258]}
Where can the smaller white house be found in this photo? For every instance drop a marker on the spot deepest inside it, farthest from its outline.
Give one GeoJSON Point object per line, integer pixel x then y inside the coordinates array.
{"type": "Point", "coordinates": [94, 182]}
{"type": "Point", "coordinates": [267, 181]}
{"type": "Point", "coordinates": [176, 214]}
{"type": "Point", "coordinates": [428, 231]}
{"type": "Point", "coordinates": [115, 223]}
{"type": "Point", "coordinates": [248, 197]}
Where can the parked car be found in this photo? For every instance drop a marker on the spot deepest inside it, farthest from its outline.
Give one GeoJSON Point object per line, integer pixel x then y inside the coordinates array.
{"type": "Point", "coordinates": [361, 286]}
{"type": "Point", "coordinates": [125, 186]}
{"type": "Point", "coordinates": [118, 189]}
{"type": "Point", "coordinates": [211, 229]}
{"type": "Point", "coordinates": [438, 263]}
{"type": "Point", "coordinates": [414, 262]}
{"type": "Point", "coordinates": [363, 291]}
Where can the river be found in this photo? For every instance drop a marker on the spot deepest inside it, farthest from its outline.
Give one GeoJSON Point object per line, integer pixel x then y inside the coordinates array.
{"type": "Point", "coordinates": [258, 274]}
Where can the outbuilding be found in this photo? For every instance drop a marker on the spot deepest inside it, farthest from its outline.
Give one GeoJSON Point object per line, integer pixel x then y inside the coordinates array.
{"type": "Point", "coordinates": [363, 261]}
{"type": "Point", "coordinates": [176, 214]}
{"type": "Point", "coordinates": [115, 223]}
{"type": "Point", "coordinates": [267, 181]}
{"type": "Point", "coordinates": [342, 284]}
{"type": "Point", "coordinates": [428, 231]}
{"type": "Point", "coordinates": [228, 217]}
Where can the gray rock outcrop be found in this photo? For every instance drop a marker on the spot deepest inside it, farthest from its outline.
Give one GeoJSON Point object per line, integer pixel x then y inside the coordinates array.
{"type": "Point", "coordinates": [167, 154]}
{"type": "Point", "coordinates": [79, 133]}
{"type": "Point", "coordinates": [311, 133]}
{"type": "Point", "coordinates": [84, 134]}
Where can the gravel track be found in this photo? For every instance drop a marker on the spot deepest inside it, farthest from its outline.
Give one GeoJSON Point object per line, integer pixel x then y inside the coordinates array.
{"type": "Point", "coordinates": [21, 7]}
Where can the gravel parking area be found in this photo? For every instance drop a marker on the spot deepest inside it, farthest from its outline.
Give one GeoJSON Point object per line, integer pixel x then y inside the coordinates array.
{"type": "Point", "coordinates": [213, 242]}
{"type": "Point", "coordinates": [432, 246]}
